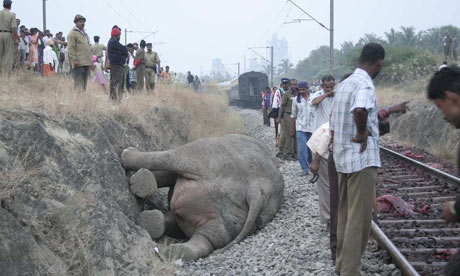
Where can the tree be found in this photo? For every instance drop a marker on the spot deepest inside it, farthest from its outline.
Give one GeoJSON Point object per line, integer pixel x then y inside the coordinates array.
{"type": "Point", "coordinates": [409, 37]}
{"type": "Point", "coordinates": [284, 67]}
{"type": "Point", "coordinates": [393, 37]}
{"type": "Point", "coordinates": [370, 38]}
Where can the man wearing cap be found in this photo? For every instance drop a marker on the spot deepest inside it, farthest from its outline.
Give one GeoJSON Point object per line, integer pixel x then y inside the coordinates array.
{"type": "Point", "coordinates": [98, 49]}
{"type": "Point", "coordinates": [8, 38]}
{"type": "Point", "coordinates": [286, 141]}
{"type": "Point", "coordinates": [140, 68]}
{"type": "Point", "coordinates": [151, 61]}
{"type": "Point", "coordinates": [79, 52]}
{"type": "Point", "coordinates": [117, 56]}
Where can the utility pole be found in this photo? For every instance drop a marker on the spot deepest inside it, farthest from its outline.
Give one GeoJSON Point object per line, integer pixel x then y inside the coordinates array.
{"type": "Point", "coordinates": [126, 37]}
{"type": "Point", "coordinates": [271, 65]}
{"type": "Point", "coordinates": [330, 29]}
{"type": "Point", "coordinates": [44, 15]}
{"type": "Point", "coordinates": [331, 42]}
{"type": "Point", "coordinates": [238, 68]}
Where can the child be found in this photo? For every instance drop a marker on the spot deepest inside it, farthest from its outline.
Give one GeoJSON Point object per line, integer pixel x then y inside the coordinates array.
{"type": "Point", "coordinates": [99, 74]}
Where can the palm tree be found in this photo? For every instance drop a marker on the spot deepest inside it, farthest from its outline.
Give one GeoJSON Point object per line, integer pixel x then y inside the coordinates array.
{"type": "Point", "coordinates": [347, 46]}
{"type": "Point", "coordinates": [267, 69]}
{"type": "Point", "coordinates": [370, 38]}
{"type": "Point", "coordinates": [393, 37]}
{"type": "Point", "coordinates": [285, 66]}
{"type": "Point", "coordinates": [409, 36]}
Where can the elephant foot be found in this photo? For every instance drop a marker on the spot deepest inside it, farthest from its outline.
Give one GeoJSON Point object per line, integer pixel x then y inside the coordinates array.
{"type": "Point", "coordinates": [182, 251]}
{"type": "Point", "coordinates": [143, 183]}
{"type": "Point", "coordinates": [154, 222]}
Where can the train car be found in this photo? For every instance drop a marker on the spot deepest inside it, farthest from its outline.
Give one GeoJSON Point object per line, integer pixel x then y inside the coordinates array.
{"type": "Point", "coordinates": [246, 91]}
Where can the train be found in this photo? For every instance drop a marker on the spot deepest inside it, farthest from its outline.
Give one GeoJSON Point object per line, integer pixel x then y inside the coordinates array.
{"type": "Point", "coordinates": [246, 90]}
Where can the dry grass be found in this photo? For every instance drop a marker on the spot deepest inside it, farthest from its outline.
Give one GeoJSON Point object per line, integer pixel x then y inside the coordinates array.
{"type": "Point", "coordinates": [413, 91]}
{"type": "Point", "coordinates": [208, 113]}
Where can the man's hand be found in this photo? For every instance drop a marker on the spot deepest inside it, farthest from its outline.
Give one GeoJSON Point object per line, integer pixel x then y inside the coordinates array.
{"type": "Point", "coordinates": [361, 138]}
{"type": "Point", "coordinates": [330, 94]}
{"type": "Point", "coordinates": [401, 107]}
{"type": "Point", "coordinates": [291, 132]}
{"type": "Point", "coordinates": [75, 63]}
{"type": "Point", "coordinates": [447, 213]}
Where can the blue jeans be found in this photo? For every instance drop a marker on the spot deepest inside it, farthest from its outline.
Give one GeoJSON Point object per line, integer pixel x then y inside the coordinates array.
{"type": "Point", "coordinates": [303, 151]}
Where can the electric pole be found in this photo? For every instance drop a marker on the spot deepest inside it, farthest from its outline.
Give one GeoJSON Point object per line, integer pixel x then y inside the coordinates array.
{"type": "Point", "coordinates": [271, 65]}
{"type": "Point", "coordinates": [44, 15]}
{"type": "Point", "coordinates": [126, 37]}
{"type": "Point", "coordinates": [330, 29]}
{"type": "Point", "coordinates": [331, 42]}
{"type": "Point", "coordinates": [238, 68]}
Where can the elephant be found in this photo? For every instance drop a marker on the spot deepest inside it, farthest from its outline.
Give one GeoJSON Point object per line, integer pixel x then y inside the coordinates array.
{"type": "Point", "coordinates": [221, 190]}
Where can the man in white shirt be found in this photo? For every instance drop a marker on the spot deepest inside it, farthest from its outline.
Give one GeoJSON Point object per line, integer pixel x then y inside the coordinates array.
{"type": "Point", "coordinates": [300, 122]}
{"type": "Point", "coordinates": [355, 136]}
{"type": "Point", "coordinates": [322, 101]}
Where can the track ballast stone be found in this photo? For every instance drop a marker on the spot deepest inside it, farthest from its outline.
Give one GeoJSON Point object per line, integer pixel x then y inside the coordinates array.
{"type": "Point", "coordinates": [294, 242]}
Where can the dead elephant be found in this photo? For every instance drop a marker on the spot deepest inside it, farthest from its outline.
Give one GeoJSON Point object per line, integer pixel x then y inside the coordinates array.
{"type": "Point", "coordinates": [221, 190]}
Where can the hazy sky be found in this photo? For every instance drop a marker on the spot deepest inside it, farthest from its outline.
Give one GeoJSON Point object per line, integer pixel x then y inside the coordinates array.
{"type": "Point", "coordinates": [192, 33]}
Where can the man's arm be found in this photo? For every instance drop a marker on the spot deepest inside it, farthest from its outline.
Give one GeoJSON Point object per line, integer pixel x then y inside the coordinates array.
{"type": "Point", "coordinates": [283, 103]}
{"type": "Point", "coordinates": [360, 118]}
{"type": "Point", "coordinates": [321, 98]}
{"type": "Point", "coordinates": [451, 211]}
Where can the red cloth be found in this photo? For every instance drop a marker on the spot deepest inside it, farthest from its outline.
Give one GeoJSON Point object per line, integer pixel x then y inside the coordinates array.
{"type": "Point", "coordinates": [394, 205]}
{"type": "Point", "coordinates": [409, 154]}
{"type": "Point", "coordinates": [47, 70]}
{"type": "Point", "coordinates": [115, 32]}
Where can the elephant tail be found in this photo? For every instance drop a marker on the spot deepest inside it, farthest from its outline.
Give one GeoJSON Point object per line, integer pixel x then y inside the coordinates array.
{"type": "Point", "coordinates": [257, 201]}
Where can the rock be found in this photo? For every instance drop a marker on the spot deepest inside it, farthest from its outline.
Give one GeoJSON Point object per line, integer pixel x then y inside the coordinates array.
{"type": "Point", "coordinates": [143, 183]}
{"type": "Point", "coordinates": [153, 221]}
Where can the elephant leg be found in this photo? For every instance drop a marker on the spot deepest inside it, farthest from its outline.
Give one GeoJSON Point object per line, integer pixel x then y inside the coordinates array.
{"type": "Point", "coordinates": [169, 161]}
{"type": "Point", "coordinates": [197, 247]}
{"type": "Point", "coordinates": [172, 229]}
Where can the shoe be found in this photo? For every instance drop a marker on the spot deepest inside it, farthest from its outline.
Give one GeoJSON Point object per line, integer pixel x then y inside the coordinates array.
{"type": "Point", "coordinates": [304, 174]}
{"type": "Point", "coordinates": [280, 155]}
{"type": "Point", "coordinates": [288, 158]}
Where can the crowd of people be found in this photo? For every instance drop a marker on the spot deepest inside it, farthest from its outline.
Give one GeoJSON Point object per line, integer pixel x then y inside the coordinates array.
{"type": "Point", "coordinates": [132, 67]}
{"type": "Point", "coordinates": [333, 131]}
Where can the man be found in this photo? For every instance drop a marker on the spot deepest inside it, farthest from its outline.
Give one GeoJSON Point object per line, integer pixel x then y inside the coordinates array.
{"type": "Point", "coordinates": [98, 49]}
{"type": "Point", "coordinates": [300, 119]}
{"type": "Point", "coordinates": [447, 46]}
{"type": "Point", "coordinates": [131, 78]}
{"type": "Point", "coordinates": [265, 105]}
{"type": "Point", "coordinates": [322, 101]}
{"type": "Point", "coordinates": [444, 90]}
{"type": "Point", "coordinates": [454, 48]}
{"type": "Point", "coordinates": [8, 38]}
{"type": "Point", "coordinates": [117, 56]}
{"type": "Point", "coordinates": [284, 117]}
{"type": "Point", "coordinates": [135, 46]}
{"type": "Point", "coordinates": [23, 49]}
{"type": "Point", "coordinates": [355, 132]}
{"type": "Point", "coordinates": [79, 53]}
{"type": "Point", "coordinates": [166, 76]}
{"type": "Point", "coordinates": [190, 79]}
{"type": "Point", "coordinates": [140, 68]}
{"type": "Point", "coordinates": [293, 87]}
{"type": "Point", "coordinates": [151, 62]}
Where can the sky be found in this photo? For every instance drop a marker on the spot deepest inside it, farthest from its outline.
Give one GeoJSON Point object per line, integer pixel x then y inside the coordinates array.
{"type": "Point", "coordinates": [189, 34]}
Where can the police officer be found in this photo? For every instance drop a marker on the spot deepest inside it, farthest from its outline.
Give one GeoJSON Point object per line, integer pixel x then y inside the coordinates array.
{"type": "Point", "coordinates": [286, 141]}
{"type": "Point", "coordinates": [8, 38]}
{"type": "Point", "coordinates": [151, 61]}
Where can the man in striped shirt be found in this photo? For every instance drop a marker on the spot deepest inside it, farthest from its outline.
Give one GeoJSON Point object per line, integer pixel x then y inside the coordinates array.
{"type": "Point", "coordinates": [355, 136]}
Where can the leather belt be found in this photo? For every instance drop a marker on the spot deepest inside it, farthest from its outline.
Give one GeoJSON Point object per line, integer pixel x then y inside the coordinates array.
{"type": "Point", "coordinates": [151, 67]}
{"type": "Point", "coordinates": [2, 31]}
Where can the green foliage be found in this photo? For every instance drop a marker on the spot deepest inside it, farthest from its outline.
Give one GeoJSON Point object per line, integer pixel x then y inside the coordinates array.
{"type": "Point", "coordinates": [410, 54]}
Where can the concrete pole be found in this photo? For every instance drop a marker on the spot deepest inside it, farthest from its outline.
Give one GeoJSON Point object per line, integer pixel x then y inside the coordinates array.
{"type": "Point", "coordinates": [44, 15]}
{"type": "Point", "coordinates": [331, 44]}
{"type": "Point", "coordinates": [126, 37]}
{"type": "Point", "coordinates": [238, 68]}
{"type": "Point", "coordinates": [271, 65]}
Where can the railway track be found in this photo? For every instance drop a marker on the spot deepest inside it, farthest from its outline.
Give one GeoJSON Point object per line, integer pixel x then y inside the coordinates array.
{"type": "Point", "coordinates": [419, 243]}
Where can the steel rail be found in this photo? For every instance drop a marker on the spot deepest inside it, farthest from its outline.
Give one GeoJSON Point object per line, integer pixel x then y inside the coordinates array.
{"type": "Point", "coordinates": [443, 175]}
{"type": "Point", "coordinates": [398, 258]}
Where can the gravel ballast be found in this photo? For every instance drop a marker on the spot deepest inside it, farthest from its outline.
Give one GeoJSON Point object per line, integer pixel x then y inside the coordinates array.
{"type": "Point", "coordinates": [294, 242]}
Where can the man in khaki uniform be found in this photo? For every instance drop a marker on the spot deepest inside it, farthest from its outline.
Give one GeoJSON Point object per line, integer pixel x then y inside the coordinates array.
{"type": "Point", "coordinates": [8, 38]}
{"type": "Point", "coordinates": [151, 61]}
{"type": "Point", "coordinates": [284, 117]}
{"type": "Point", "coordinates": [98, 49]}
{"type": "Point", "coordinates": [140, 69]}
{"type": "Point", "coordinates": [79, 52]}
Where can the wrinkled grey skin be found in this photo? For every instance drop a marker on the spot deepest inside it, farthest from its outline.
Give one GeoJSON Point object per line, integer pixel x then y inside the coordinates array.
{"type": "Point", "coordinates": [223, 189]}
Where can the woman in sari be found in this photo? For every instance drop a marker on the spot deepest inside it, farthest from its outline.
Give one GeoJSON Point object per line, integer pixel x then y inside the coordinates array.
{"type": "Point", "coordinates": [33, 49]}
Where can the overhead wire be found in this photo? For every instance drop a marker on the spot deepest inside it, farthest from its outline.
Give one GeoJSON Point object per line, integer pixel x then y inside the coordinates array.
{"type": "Point", "coordinates": [115, 11]}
